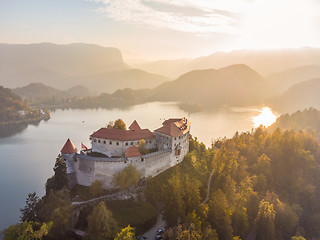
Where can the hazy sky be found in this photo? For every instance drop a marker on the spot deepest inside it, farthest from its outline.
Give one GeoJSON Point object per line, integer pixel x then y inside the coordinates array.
{"type": "Point", "coordinates": [163, 29]}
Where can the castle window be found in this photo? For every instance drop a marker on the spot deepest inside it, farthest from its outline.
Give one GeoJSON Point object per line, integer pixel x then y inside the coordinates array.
{"type": "Point", "coordinates": [131, 143]}
{"type": "Point", "coordinates": [126, 144]}
{"type": "Point", "coordinates": [104, 142]}
{"type": "Point", "coordinates": [110, 143]}
{"type": "Point", "coordinates": [117, 143]}
{"type": "Point", "coordinates": [150, 141]}
{"type": "Point", "coordinates": [175, 138]}
{"type": "Point", "coordinates": [142, 159]}
{"type": "Point", "coordinates": [95, 140]}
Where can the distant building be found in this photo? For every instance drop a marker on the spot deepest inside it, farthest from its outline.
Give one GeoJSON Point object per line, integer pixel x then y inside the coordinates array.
{"type": "Point", "coordinates": [113, 149]}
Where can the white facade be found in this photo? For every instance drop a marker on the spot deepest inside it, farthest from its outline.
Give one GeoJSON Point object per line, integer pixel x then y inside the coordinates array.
{"type": "Point", "coordinates": [116, 148]}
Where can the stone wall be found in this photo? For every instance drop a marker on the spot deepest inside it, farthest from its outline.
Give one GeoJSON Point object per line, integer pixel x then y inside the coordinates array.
{"type": "Point", "coordinates": [85, 171]}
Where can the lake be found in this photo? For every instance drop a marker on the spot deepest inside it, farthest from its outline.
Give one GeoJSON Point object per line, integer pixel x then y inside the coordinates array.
{"type": "Point", "coordinates": [27, 158]}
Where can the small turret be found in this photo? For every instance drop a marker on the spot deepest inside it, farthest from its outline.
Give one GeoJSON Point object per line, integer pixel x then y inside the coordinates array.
{"type": "Point", "coordinates": [69, 148]}
{"type": "Point", "coordinates": [67, 153]}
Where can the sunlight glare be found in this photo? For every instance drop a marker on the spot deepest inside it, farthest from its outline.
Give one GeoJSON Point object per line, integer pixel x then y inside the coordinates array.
{"type": "Point", "coordinates": [265, 118]}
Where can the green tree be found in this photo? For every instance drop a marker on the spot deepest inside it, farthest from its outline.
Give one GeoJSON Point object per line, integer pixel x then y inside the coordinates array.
{"type": "Point", "coordinates": [96, 189]}
{"type": "Point", "coordinates": [27, 231]}
{"type": "Point", "coordinates": [29, 211]}
{"type": "Point", "coordinates": [56, 207]}
{"type": "Point", "coordinates": [128, 177]}
{"type": "Point", "coordinates": [119, 124]}
{"type": "Point", "coordinates": [60, 178]}
{"type": "Point", "coordinates": [126, 233]}
{"type": "Point", "coordinates": [101, 224]}
{"type": "Point", "coordinates": [219, 216]}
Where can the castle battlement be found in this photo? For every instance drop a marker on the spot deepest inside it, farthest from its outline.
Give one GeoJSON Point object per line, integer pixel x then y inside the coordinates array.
{"type": "Point", "coordinates": [114, 149]}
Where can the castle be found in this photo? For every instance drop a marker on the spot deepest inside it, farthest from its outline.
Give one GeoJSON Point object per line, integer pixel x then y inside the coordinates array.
{"type": "Point", "coordinates": [114, 149]}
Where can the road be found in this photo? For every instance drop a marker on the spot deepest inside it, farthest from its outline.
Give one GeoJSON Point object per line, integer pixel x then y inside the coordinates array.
{"type": "Point", "coordinates": [153, 231]}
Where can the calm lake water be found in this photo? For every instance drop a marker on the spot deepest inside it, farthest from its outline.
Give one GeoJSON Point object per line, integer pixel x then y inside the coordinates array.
{"type": "Point", "coordinates": [27, 158]}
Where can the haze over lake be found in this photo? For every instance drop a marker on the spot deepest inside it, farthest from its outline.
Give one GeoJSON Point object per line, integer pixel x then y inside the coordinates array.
{"type": "Point", "coordinates": [27, 158]}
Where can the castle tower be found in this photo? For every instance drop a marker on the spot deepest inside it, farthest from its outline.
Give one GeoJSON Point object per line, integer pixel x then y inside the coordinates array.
{"type": "Point", "coordinates": [67, 153]}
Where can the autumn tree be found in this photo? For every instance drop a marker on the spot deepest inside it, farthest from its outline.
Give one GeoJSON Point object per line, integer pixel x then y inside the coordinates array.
{"type": "Point", "coordinates": [101, 224]}
{"type": "Point", "coordinates": [128, 177]}
{"type": "Point", "coordinates": [265, 221]}
{"type": "Point", "coordinates": [126, 233]}
{"type": "Point", "coordinates": [27, 230]}
{"type": "Point", "coordinates": [142, 147]}
{"type": "Point", "coordinates": [119, 124]}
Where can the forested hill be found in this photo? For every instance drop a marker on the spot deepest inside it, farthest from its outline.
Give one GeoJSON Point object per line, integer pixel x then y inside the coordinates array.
{"type": "Point", "coordinates": [14, 108]}
{"type": "Point", "coordinates": [264, 186]}
{"type": "Point", "coordinates": [307, 120]}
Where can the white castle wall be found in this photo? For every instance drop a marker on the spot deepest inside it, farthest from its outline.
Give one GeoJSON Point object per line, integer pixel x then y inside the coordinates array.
{"type": "Point", "coordinates": [68, 158]}
{"type": "Point", "coordinates": [113, 148]}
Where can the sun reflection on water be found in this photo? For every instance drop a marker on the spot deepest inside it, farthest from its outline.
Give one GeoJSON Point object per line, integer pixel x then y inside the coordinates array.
{"type": "Point", "coordinates": [265, 118]}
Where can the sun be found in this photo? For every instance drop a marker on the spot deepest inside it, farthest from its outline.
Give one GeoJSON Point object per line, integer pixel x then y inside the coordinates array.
{"type": "Point", "coordinates": [265, 118]}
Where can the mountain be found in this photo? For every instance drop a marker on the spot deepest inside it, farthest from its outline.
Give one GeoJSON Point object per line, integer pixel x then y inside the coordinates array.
{"type": "Point", "coordinates": [283, 80]}
{"type": "Point", "coordinates": [233, 85]}
{"type": "Point", "coordinates": [299, 96]}
{"type": "Point", "coordinates": [131, 78]}
{"type": "Point", "coordinates": [263, 61]}
{"type": "Point", "coordinates": [55, 64]}
{"type": "Point", "coordinates": [35, 91]}
{"type": "Point", "coordinates": [98, 68]}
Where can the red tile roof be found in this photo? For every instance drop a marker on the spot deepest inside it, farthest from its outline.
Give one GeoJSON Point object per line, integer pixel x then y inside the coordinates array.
{"type": "Point", "coordinates": [175, 127]}
{"type": "Point", "coordinates": [69, 147]}
{"type": "Point", "coordinates": [132, 152]}
{"type": "Point", "coordinates": [123, 135]}
{"type": "Point", "coordinates": [134, 126]}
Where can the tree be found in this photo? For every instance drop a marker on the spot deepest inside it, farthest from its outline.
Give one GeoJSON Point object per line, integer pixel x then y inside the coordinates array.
{"type": "Point", "coordinates": [265, 222]}
{"type": "Point", "coordinates": [219, 216]}
{"type": "Point", "coordinates": [101, 224]}
{"type": "Point", "coordinates": [96, 189]}
{"type": "Point", "coordinates": [126, 233]}
{"type": "Point", "coordinates": [119, 124]}
{"type": "Point", "coordinates": [128, 177]}
{"type": "Point", "coordinates": [297, 238]}
{"type": "Point", "coordinates": [174, 206]}
{"type": "Point", "coordinates": [29, 211]}
{"type": "Point", "coordinates": [26, 231]}
{"type": "Point", "coordinates": [142, 147]}
{"type": "Point", "coordinates": [56, 207]}
{"type": "Point", "coordinates": [60, 178]}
